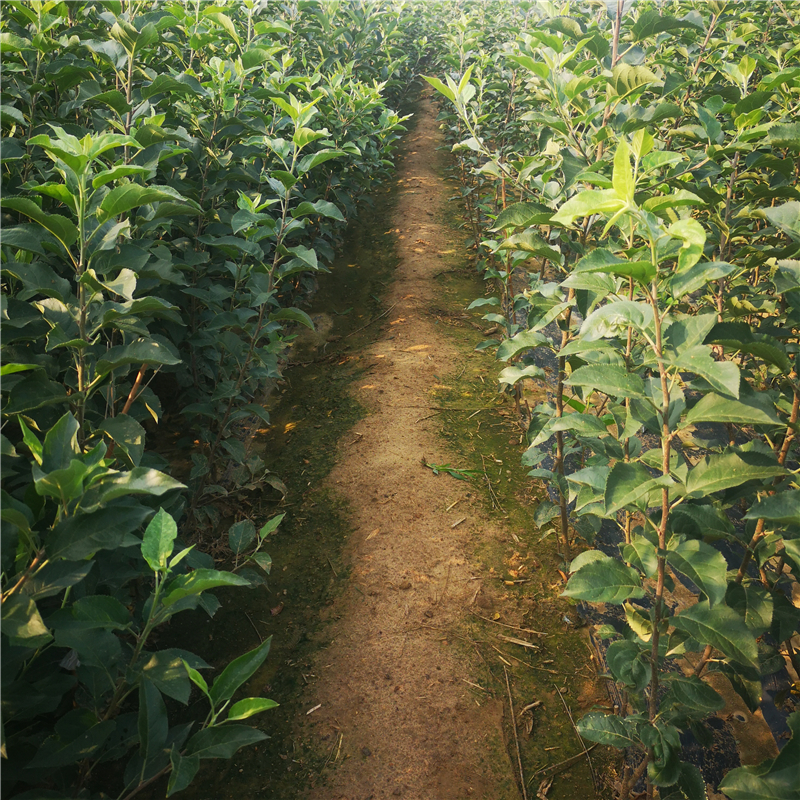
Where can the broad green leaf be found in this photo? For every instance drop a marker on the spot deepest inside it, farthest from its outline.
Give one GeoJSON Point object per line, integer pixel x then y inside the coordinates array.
{"type": "Point", "coordinates": [511, 375]}
{"type": "Point", "coordinates": [690, 785]}
{"type": "Point", "coordinates": [524, 340]}
{"type": "Point", "coordinates": [61, 444]}
{"type": "Point", "coordinates": [629, 483]}
{"type": "Point", "coordinates": [753, 603]}
{"type": "Point", "coordinates": [241, 535]}
{"type": "Point", "coordinates": [271, 526]}
{"type": "Point", "coordinates": [80, 536]}
{"type": "Point", "coordinates": [697, 276]}
{"type": "Point", "coordinates": [651, 22]}
{"type": "Point", "coordinates": [641, 553]}
{"type": "Point", "coordinates": [702, 564]}
{"type": "Point", "coordinates": [72, 743]}
{"type": "Point", "coordinates": [127, 196]}
{"type": "Point", "coordinates": [626, 78]}
{"type": "Point", "coordinates": [139, 480]}
{"type": "Point", "coordinates": [785, 135]}
{"type": "Point", "coordinates": [629, 664]}
{"type": "Point", "coordinates": [166, 670]}
{"type": "Point", "coordinates": [315, 159]}
{"type": "Point", "coordinates": [723, 376]}
{"type": "Point", "coordinates": [731, 468]}
{"type": "Point", "coordinates": [22, 622]}
{"type": "Point", "coordinates": [604, 580]}
{"type": "Point", "coordinates": [184, 768]}
{"type": "Point", "coordinates": [774, 779]}
{"type": "Point", "coordinates": [781, 508]}
{"type": "Point", "coordinates": [586, 204]}
{"type": "Point", "coordinates": [787, 218]}
{"type": "Point", "coordinates": [249, 707]}
{"type": "Point", "coordinates": [608, 729]}
{"type": "Point", "coordinates": [159, 540]}
{"type": "Point", "coordinates": [608, 379]}
{"type": "Point", "coordinates": [127, 434]}
{"type": "Point", "coordinates": [222, 741]}
{"type": "Point", "coordinates": [199, 581]}
{"type": "Point", "coordinates": [754, 409]}
{"type": "Point", "coordinates": [521, 215]}
{"type": "Point", "coordinates": [237, 672]}
{"type": "Point", "coordinates": [441, 87]}
{"type": "Point", "coordinates": [722, 628]}
{"type": "Point", "coordinates": [142, 351]}
{"type": "Point", "coordinates": [62, 228]}
{"type": "Point", "coordinates": [622, 176]}
{"type": "Point", "coordinates": [293, 315]}
{"type": "Point", "coordinates": [602, 260]}
{"type": "Point", "coordinates": [152, 722]}
{"type": "Point", "coordinates": [615, 318]}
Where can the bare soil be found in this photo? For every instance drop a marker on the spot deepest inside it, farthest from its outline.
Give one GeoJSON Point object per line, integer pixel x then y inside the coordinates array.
{"type": "Point", "coordinates": [396, 705]}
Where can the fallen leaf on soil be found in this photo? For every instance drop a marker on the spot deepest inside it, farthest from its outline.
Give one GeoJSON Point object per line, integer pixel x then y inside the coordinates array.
{"type": "Point", "coordinates": [277, 610]}
{"type": "Point", "coordinates": [374, 533]}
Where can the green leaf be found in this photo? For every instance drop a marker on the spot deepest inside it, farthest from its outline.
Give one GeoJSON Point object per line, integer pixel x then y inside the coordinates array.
{"type": "Point", "coordinates": [22, 622]}
{"type": "Point", "coordinates": [521, 215]}
{"type": "Point", "coordinates": [622, 176]}
{"type": "Point", "coordinates": [626, 78]}
{"type": "Point", "coordinates": [753, 603]}
{"type": "Point", "coordinates": [72, 742]}
{"type": "Point", "coordinates": [641, 553]}
{"type": "Point", "coordinates": [139, 480]}
{"type": "Point", "coordinates": [613, 320]}
{"type": "Point", "coordinates": [293, 315]}
{"type": "Point", "coordinates": [524, 340]}
{"type": "Point", "coordinates": [241, 535]}
{"type": "Point", "coordinates": [754, 409]}
{"type": "Point", "coordinates": [627, 484]}
{"type": "Point", "coordinates": [315, 159]}
{"type": "Point", "coordinates": [586, 204]}
{"type": "Point", "coordinates": [441, 88]}
{"type": "Point", "coordinates": [159, 541]}
{"type": "Point", "coordinates": [608, 729]}
{"type": "Point", "coordinates": [62, 228]}
{"type": "Point", "coordinates": [697, 276]}
{"type": "Point", "coordinates": [249, 707]}
{"type": "Point", "coordinates": [61, 444]}
{"type": "Point", "coordinates": [604, 580]}
{"type": "Point", "coordinates": [785, 135]}
{"type": "Point", "coordinates": [629, 664]}
{"type": "Point", "coordinates": [731, 468]}
{"type": "Point", "coordinates": [271, 526]}
{"type": "Point", "coordinates": [117, 172]}
{"type": "Point", "coordinates": [131, 195]}
{"type": "Point", "coordinates": [127, 434]}
{"type": "Point", "coordinates": [723, 376]}
{"type": "Point", "coordinates": [511, 375]}
{"type": "Point", "coordinates": [651, 22]}
{"type": "Point", "coordinates": [222, 742]}
{"type": "Point", "coordinates": [166, 670]}
{"type": "Point", "coordinates": [690, 785]}
{"type": "Point", "coordinates": [702, 564]}
{"type": "Point", "coordinates": [782, 508]}
{"type": "Point", "coordinates": [609, 379]}
{"type": "Point", "coordinates": [237, 672]}
{"type": "Point", "coordinates": [602, 260]}
{"type": "Point", "coordinates": [82, 535]}
{"type": "Point", "coordinates": [199, 581]}
{"type": "Point", "coordinates": [774, 779]}
{"type": "Point", "coordinates": [184, 768]}
{"type": "Point", "coordinates": [152, 722]}
{"type": "Point", "coordinates": [142, 351]}
{"type": "Point", "coordinates": [787, 218]}
{"type": "Point", "coordinates": [721, 627]}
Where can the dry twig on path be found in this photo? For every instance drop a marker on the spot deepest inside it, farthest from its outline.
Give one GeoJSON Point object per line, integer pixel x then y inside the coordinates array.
{"type": "Point", "coordinates": [374, 319]}
{"type": "Point", "coordinates": [523, 785]}
{"type": "Point", "coordinates": [577, 733]}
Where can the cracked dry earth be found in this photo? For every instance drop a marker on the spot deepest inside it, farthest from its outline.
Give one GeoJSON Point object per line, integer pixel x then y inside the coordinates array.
{"type": "Point", "coordinates": [396, 710]}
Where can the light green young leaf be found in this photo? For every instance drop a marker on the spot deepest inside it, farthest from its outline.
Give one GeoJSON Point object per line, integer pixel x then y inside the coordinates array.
{"type": "Point", "coordinates": [159, 540]}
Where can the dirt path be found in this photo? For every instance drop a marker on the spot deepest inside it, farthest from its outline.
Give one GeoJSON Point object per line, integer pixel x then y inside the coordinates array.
{"type": "Point", "coordinates": [395, 706]}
